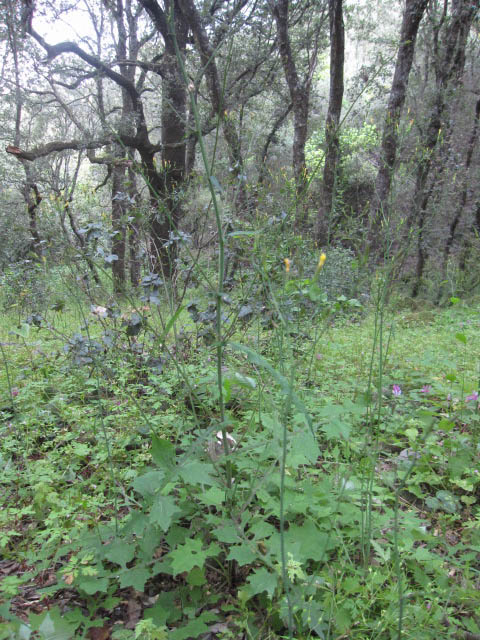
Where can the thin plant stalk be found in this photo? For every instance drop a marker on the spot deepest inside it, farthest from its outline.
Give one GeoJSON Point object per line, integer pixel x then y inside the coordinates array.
{"type": "Point", "coordinates": [221, 266]}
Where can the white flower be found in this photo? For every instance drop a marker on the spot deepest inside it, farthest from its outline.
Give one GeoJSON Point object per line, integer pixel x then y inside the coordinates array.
{"type": "Point", "coordinates": [101, 312]}
{"type": "Point", "coordinates": [216, 449]}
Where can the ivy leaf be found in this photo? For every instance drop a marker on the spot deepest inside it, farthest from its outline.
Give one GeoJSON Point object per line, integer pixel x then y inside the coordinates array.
{"type": "Point", "coordinates": [162, 511]}
{"type": "Point", "coordinates": [262, 580]}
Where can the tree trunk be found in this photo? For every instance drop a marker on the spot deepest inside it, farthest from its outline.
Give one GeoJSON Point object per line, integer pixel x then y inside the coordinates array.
{"type": "Point", "coordinates": [332, 147]}
{"type": "Point", "coordinates": [412, 16]}
{"type": "Point", "coordinates": [164, 185]}
{"type": "Point", "coordinates": [133, 229]}
{"type": "Point", "coordinates": [449, 65]}
{"type": "Point", "coordinates": [119, 223]}
{"type": "Point", "coordinates": [463, 197]}
{"type": "Point", "coordinates": [33, 199]}
{"type": "Point", "coordinates": [300, 97]}
{"type": "Point", "coordinates": [207, 56]}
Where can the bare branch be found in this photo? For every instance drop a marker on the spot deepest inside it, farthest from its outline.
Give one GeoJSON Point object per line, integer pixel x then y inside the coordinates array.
{"type": "Point", "coordinates": [52, 147]}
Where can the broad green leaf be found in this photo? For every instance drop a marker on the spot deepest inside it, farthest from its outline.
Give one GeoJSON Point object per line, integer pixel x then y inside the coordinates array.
{"type": "Point", "coordinates": [190, 554]}
{"type": "Point", "coordinates": [227, 533]}
{"type": "Point", "coordinates": [135, 577]}
{"type": "Point", "coordinates": [51, 625]}
{"type": "Point", "coordinates": [23, 331]}
{"type": "Point", "coordinates": [382, 552]}
{"type": "Point", "coordinates": [245, 381]}
{"type": "Point", "coordinates": [195, 472]}
{"type": "Point", "coordinates": [331, 411]}
{"type": "Point", "coordinates": [148, 542]}
{"type": "Point", "coordinates": [285, 386]}
{"type": "Point", "coordinates": [136, 524]}
{"type": "Point", "coordinates": [243, 554]}
{"type": "Point", "coordinates": [217, 187]}
{"type": "Point", "coordinates": [337, 429]}
{"type": "Point", "coordinates": [119, 552]}
{"type": "Point", "coordinates": [304, 449]}
{"type": "Point", "coordinates": [92, 585]}
{"type": "Point", "coordinates": [262, 580]}
{"type": "Point", "coordinates": [448, 501]}
{"type": "Point", "coordinates": [149, 483]}
{"type": "Point", "coordinates": [213, 496]}
{"type": "Point", "coordinates": [162, 511]}
{"type": "Point", "coordinates": [305, 542]}
{"type": "Point", "coordinates": [196, 577]}
{"type": "Point", "coordinates": [163, 452]}
{"type": "Point", "coordinates": [192, 629]}
{"type": "Point", "coordinates": [165, 609]}
{"type": "Point", "coordinates": [461, 337]}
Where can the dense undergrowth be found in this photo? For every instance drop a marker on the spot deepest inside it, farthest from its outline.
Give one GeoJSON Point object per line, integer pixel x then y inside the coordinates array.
{"type": "Point", "coordinates": [320, 479]}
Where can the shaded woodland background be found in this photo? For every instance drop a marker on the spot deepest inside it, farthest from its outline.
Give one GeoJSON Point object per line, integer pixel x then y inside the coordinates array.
{"type": "Point", "coordinates": [345, 124]}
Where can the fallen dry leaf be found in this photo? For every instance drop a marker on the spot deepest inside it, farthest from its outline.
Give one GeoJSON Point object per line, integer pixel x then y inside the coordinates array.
{"type": "Point", "coordinates": [99, 633]}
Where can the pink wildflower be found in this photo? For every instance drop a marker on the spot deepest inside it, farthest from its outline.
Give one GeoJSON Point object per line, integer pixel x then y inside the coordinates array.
{"type": "Point", "coordinates": [15, 392]}
{"type": "Point", "coordinates": [426, 389]}
{"type": "Point", "coordinates": [396, 390]}
{"type": "Point", "coordinates": [473, 397]}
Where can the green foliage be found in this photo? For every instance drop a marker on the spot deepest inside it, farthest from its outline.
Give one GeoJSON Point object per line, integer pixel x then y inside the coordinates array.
{"type": "Point", "coordinates": [115, 475]}
{"type": "Point", "coordinates": [355, 144]}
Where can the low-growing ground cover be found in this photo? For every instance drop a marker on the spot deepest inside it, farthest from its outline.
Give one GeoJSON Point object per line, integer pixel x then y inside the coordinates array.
{"type": "Point", "coordinates": [344, 505]}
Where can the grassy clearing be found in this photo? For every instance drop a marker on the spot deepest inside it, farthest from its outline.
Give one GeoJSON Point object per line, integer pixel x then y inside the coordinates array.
{"type": "Point", "coordinates": [353, 509]}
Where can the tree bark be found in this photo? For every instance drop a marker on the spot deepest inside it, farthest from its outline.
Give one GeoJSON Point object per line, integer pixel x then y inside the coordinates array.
{"type": "Point", "coordinates": [165, 186]}
{"type": "Point", "coordinates": [119, 223]}
{"type": "Point", "coordinates": [412, 16]}
{"type": "Point", "coordinates": [299, 95]}
{"type": "Point", "coordinates": [332, 134]}
{"type": "Point", "coordinates": [219, 108]}
{"type": "Point", "coordinates": [449, 66]}
{"type": "Point", "coordinates": [463, 201]}
{"type": "Point", "coordinates": [33, 199]}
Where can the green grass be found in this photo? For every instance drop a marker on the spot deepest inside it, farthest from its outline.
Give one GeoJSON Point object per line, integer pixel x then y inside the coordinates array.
{"type": "Point", "coordinates": [350, 515]}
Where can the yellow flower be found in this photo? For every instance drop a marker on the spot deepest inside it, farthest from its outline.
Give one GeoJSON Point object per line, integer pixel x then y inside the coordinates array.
{"type": "Point", "coordinates": [287, 264]}
{"type": "Point", "coordinates": [321, 262]}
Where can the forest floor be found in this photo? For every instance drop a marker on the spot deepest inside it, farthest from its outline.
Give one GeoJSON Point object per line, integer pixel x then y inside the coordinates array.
{"type": "Point", "coordinates": [347, 505]}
